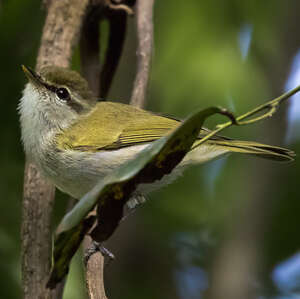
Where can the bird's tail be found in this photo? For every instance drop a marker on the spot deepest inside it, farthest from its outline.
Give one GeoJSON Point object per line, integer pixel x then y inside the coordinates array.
{"type": "Point", "coordinates": [253, 148]}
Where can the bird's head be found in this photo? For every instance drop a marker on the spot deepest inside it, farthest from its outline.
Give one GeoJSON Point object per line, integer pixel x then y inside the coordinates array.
{"type": "Point", "coordinates": [56, 95]}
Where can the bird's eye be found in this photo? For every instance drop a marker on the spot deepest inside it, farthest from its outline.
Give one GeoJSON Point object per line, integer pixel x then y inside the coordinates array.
{"type": "Point", "coordinates": [63, 93]}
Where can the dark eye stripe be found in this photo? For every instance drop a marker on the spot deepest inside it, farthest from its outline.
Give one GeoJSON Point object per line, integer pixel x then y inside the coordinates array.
{"type": "Point", "coordinates": [75, 106]}
{"type": "Point", "coordinates": [71, 103]}
{"type": "Point", "coordinates": [50, 87]}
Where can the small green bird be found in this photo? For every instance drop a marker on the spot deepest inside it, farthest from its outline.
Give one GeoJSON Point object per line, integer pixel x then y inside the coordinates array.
{"type": "Point", "coordinates": [75, 141]}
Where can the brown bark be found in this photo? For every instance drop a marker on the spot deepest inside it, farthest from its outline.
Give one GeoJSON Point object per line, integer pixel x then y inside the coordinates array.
{"type": "Point", "coordinates": [94, 276]}
{"type": "Point", "coordinates": [61, 28]}
{"type": "Point", "coordinates": [36, 232]}
{"type": "Point", "coordinates": [60, 32]}
{"type": "Point", "coordinates": [144, 11]}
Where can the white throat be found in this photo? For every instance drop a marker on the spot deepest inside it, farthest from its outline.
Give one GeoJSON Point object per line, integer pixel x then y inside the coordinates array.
{"type": "Point", "coordinates": [36, 130]}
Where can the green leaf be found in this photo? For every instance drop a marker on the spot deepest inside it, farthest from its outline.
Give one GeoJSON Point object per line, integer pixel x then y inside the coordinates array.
{"type": "Point", "coordinates": [151, 164]}
{"type": "Point", "coordinates": [112, 193]}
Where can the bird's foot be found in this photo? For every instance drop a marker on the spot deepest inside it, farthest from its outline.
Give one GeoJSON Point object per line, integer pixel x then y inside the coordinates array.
{"type": "Point", "coordinates": [98, 247]}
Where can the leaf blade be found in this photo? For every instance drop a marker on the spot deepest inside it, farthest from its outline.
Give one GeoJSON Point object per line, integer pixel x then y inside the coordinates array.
{"type": "Point", "coordinates": [156, 160]}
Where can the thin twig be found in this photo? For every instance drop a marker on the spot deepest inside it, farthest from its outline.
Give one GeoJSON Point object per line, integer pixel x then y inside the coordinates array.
{"type": "Point", "coordinates": [61, 28]}
{"type": "Point", "coordinates": [270, 106]}
{"type": "Point", "coordinates": [122, 7]}
{"type": "Point", "coordinates": [144, 11]}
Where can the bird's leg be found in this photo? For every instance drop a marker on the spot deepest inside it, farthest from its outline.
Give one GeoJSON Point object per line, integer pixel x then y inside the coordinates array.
{"type": "Point", "coordinates": [135, 201]}
{"type": "Point", "coordinates": [98, 247]}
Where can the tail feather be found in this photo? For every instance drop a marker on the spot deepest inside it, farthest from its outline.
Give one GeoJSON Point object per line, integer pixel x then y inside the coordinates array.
{"type": "Point", "coordinates": [261, 150]}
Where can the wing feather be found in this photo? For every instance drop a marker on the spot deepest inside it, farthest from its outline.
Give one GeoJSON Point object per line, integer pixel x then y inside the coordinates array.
{"type": "Point", "coordinates": [112, 126]}
{"type": "Point", "coordinates": [115, 125]}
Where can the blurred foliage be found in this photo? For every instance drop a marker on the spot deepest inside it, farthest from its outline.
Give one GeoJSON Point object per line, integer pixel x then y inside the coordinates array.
{"type": "Point", "coordinates": [197, 62]}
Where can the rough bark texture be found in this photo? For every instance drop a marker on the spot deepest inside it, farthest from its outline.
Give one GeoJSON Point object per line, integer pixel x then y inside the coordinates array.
{"type": "Point", "coordinates": [36, 232]}
{"type": "Point", "coordinates": [94, 276]}
{"type": "Point", "coordinates": [59, 35]}
{"type": "Point", "coordinates": [144, 11]}
{"type": "Point", "coordinates": [60, 32]}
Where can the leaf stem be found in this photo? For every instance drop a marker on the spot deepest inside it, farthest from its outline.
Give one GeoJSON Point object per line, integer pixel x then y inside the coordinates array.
{"type": "Point", "coordinates": [270, 106]}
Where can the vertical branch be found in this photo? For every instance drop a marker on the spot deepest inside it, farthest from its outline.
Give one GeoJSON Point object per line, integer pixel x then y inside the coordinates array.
{"type": "Point", "coordinates": [36, 232]}
{"type": "Point", "coordinates": [61, 28]}
{"type": "Point", "coordinates": [89, 42]}
{"type": "Point", "coordinates": [60, 32]}
{"type": "Point", "coordinates": [94, 277]}
{"type": "Point", "coordinates": [144, 11]}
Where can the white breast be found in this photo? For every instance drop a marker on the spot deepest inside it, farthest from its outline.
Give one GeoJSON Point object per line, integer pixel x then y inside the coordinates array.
{"type": "Point", "coordinates": [83, 170]}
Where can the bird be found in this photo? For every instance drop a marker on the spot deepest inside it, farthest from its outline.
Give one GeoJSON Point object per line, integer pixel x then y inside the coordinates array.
{"type": "Point", "coordinates": [76, 140]}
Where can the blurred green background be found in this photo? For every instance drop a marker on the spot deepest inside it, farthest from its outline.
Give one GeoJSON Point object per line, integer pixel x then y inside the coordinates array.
{"type": "Point", "coordinates": [232, 53]}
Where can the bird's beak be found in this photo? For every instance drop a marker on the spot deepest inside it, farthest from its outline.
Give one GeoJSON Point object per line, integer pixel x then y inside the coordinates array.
{"type": "Point", "coordinates": [33, 77]}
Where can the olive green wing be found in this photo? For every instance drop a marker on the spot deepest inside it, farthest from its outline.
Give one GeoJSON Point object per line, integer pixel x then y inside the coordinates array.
{"type": "Point", "coordinates": [112, 126]}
